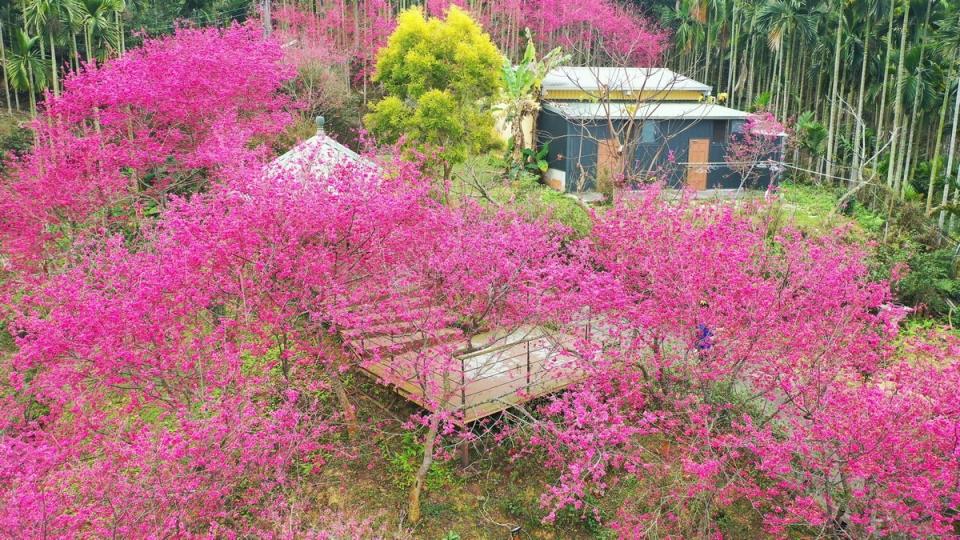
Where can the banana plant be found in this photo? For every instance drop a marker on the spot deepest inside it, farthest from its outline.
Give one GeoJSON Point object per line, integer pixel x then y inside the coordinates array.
{"type": "Point", "coordinates": [521, 89]}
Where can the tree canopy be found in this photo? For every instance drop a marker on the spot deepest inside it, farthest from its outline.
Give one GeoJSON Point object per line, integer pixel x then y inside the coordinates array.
{"type": "Point", "coordinates": [437, 74]}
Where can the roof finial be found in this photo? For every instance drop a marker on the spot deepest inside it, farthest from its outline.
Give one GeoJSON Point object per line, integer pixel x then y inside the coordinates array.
{"type": "Point", "coordinates": [320, 120]}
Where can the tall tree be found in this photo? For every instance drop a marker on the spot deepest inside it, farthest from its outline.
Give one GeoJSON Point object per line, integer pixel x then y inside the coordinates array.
{"type": "Point", "coordinates": [26, 66]}
{"type": "Point", "coordinates": [437, 74]}
{"type": "Point", "coordinates": [834, 95]}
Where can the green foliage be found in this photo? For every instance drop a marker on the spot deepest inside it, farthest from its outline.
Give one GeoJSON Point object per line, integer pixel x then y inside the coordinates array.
{"type": "Point", "coordinates": [15, 139]}
{"type": "Point", "coordinates": [439, 77]}
{"type": "Point", "coordinates": [761, 102]}
{"type": "Point", "coordinates": [158, 16]}
{"type": "Point", "coordinates": [591, 518]}
{"type": "Point", "coordinates": [521, 190]}
{"type": "Point", "coordinates": [932, 282]}
{"type": "Point", "coordinates": [404, 459]}
{"type": "Point", "coordinates": [25, 67]}
{"type": "Point", "coordinates": [564, 209]}
{"type": "Point", "coordinates": [811, 135]}
{"type": "Point", "coordinates": [451, 536]}
{"type": "Point", "coordinates": [809, 207]}
{"type": "Point", "coordinates": [522, 80]}
{"type": "Point", "coordinates": [535, 161]}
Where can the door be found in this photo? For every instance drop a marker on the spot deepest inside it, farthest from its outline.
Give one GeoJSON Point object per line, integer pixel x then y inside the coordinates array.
{"type": "Point", "coordinates": [697, 159]}
{"type": "Point", "coordinates": [608, 164]}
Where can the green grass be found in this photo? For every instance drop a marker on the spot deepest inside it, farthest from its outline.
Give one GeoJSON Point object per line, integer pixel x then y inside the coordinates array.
{"type": "Point", "coordinates": [484, 178]}
{"type": "Point", "coordinates": [810, 207]}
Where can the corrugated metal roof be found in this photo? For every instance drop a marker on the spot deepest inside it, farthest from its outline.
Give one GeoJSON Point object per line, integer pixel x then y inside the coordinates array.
{"type": "Point", "coordinates": [645, 111]}
{"type": "Point", "coordinates": [618, 78]}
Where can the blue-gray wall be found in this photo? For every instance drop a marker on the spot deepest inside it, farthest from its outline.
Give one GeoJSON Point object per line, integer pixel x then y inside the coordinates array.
{"type": "Point", "coordinates": [573, 149]}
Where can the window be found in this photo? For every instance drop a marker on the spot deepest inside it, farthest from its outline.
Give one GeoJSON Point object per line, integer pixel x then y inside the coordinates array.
{"type": "Point", "coordinates": [720, 131]}
{"type": "Point", "coordinates": [649, 132]}
{"type": "Point", "coordinates": [736, 126]}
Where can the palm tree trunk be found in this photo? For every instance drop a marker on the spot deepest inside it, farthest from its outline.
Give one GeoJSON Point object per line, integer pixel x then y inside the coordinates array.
{"type": "Point", "coordinates": [31, 96]}
{"type": "Point", "coordinates": [3, 69]}
{"type": "Point", "coordinates": [898, 100]}
{"type": "Point", "coordinates": [908, 158]}
{"type": "Point", "coordinates": [75, 51]}
{"type": "Point", "coordinates": [88, 43]}
{"type": "Point", "coordinates": [53, 67]}
{"type": "Point", "coordinates": [751, 69]}
{"type": "Point", "coordinates": [950, 154]}
{"type": "Point", "coordinates": [706, 45]}
{"type": "Point", "coordinates": [732, 68]}
{"type": "Point", "coordinates": [121, 38]}
{"type": "Point", "coordinates": [935, 162]}
{"type": "Point", "coordinates": [787, 79]}
{"type": "Point", "coordinates": [859, 124]}
{"type": "Point", "coordinates": [834, 96]}
{"type": "Point", "coordinates": [886, 72]}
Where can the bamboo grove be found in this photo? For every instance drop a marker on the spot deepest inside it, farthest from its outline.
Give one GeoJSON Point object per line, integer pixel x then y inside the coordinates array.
{"type": "Point", "coordinates": [40, 40]}
{"type": "Point", "coordinates": [869, 86]}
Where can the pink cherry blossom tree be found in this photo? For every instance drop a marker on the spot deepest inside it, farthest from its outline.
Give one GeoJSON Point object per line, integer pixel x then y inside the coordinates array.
{"type": "Point", "coordinates": [757, 148]}
{"type": "Point", "coordinates": [162, 119]}
{"type": "Point", "coordinates": [740, 365]}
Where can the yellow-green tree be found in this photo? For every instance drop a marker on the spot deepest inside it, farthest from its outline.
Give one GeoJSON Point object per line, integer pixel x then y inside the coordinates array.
{"type": "Point", "coordinates": [440, 76]}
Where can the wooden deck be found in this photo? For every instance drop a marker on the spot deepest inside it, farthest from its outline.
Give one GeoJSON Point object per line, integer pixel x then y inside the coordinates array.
{"type": "Point", "coordinates": [500, 370]}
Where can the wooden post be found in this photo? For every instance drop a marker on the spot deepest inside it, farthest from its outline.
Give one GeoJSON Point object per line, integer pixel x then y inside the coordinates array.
{"type": "Point", "coordinates": [528, 366]}
{"type": "Point", "coordinates": [463, 384]}
{"type": "Point", "coordinates": [464, 454]}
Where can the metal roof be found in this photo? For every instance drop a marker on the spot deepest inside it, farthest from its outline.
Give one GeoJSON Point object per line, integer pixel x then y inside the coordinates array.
{"type": "Point", "coordinates": [645, 111]}
{"type": "Point", "coordinates": [618, 78]}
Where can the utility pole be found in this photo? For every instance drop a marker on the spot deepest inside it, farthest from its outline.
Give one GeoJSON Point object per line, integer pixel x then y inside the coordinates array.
{"type": "Point", "coordinates": [267, 23]}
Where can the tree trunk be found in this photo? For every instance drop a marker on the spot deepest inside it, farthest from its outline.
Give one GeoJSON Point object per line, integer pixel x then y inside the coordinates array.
{"type": "Point", "coordinates": [886, 72]}
{"type": "Point", "coordinates": [834, 97]}
{"type": "Point", "coordinates": [88, 43]}
{"type": "Point", "coordinates": [785, 104]}
{"type": "Point", "coordinates": [413, 499]}
{"type": "Point", "coordinates": [950, 154]}
{"type": "Point", "coordinates": [934, 164]}
{"type": "Point", "coordinates": [349, 413]}
{"type": "Point", "coordinates": [913, 113]}
{"type": "Point", "coordinates": [892, 172]}
{"type": "Point", "coordinates": [75, 51]}
{"type": "Point", "coordinates": [905, 176]}
{"type": "Point", "coordinates": [859, 124]}
{"type": "Point", "coordinates": [751, 69]}
{"type": "Point", "coordinates": [3, 68]}
{"type": "Point", "coordinates": [54, 83]}
{"type": "Point", "coordinates": [122, 39]}
{"type": "Point", "coordinates": [706, 45]}
{"type": "Point", "coordinates": [732, 68]}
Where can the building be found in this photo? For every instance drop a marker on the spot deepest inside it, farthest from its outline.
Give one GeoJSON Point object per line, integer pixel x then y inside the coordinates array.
{"type": "Point", "coordinates": [605, 123]}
